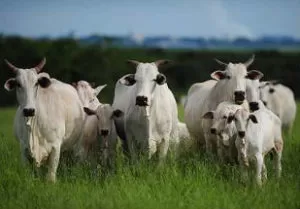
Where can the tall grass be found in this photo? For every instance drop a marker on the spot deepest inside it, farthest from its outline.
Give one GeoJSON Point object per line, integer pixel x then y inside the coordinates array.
{"type": "Point", "coordinates": [192, 181]}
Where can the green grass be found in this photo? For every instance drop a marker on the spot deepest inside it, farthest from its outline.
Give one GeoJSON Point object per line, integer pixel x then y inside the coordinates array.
{"type": "Point", "coordinates": [192, 181]}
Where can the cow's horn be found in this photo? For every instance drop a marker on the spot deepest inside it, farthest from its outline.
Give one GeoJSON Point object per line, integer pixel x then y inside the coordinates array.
{"type": "Point", "coordinates": [11, 66]}
{"type": "Point", "coordinates": [249, 61]}
{"type": "Point", "coordinates": [40, 66]}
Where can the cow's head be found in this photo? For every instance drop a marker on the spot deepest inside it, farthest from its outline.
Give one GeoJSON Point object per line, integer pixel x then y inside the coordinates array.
{"type": "Point", "coordinates": [235, 76]}
{"type": "Point", "coordinates": [267, 90]}
{"type": "Point", "coordinates": [88, 94]}
{"type": "Point", "coordinates": [220, 126]}
{"type": "Point", "coordinates": [146, 79]}
{"type": "Point", "coordinates": [105, 115]}
{"type": "Point", "coordinates": [241, 118]}
{"type": "Point", "coordinates": [26, 82]}
{"type": "Point", "coordinates": [253, 94]}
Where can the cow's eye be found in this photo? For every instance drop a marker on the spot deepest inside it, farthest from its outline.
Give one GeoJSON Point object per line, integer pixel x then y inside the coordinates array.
{"type": "Point", "coordinates": [228, 77]}
{"type": "Point", "coordinates": [224, 117]}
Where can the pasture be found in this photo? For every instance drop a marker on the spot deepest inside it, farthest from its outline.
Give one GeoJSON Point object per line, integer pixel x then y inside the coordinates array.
{"type": "Point", "coordinates": [193, 181]}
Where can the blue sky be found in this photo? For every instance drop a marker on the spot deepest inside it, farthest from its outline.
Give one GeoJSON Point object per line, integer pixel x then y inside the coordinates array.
{"type": "Point", "coordinates": [192, 18]}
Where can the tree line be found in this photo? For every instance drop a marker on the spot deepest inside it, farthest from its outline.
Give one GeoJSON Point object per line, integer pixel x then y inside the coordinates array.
{"type": "Point", "coordinates": [70, 61]}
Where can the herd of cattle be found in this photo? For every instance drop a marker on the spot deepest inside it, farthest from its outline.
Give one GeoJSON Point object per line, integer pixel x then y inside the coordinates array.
{"type": "Point", "coordinates": [234, 116]}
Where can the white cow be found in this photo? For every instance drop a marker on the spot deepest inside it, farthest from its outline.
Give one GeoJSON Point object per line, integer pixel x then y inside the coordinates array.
{"type": "Point", "coordinates": [280, 99]}
{"type": "Point", "coordinates": [88, 144]}
{"type": "Point", "coordinates": [49, 117]}
{"type": "Point", "coordinates": [106, 128]}
{"type": "Point", "coordinates": [150, 110]}
{"type": "Point", "coordinates": [260, 133]}
{"type": "Point", "coordinates": [205, 97]}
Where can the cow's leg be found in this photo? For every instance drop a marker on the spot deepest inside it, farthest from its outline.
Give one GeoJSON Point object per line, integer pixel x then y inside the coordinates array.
{"type": "Point", "coordinates": [220, 151]}
{"type": "Point", "coordinates": [53, 162]}
{"type": "Point", "coordinates": [131, 147]}
{"type": "Point", "coordinates": [163, 149]}
{"type": "Point", "coordinates": [243, 166]}
{"type": "Point", "coordinates": [259, 166]}
{"type": "Point", "coordinates": [112, 144]}
{"type": "Point", "coordinates": [208, 144]}
{"type": "Point", "coordinates": [152, 148]}
{"type": "Point", "coordinates": [277, 163]}
{"type": "Point", "coordinates": [264, 173]}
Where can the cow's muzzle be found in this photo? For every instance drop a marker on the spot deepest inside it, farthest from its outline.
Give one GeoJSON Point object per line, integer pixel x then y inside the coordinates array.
{"type": "Point", "coordinates": [28, 112]}
{"type": "Point", "coordinates": [253, 106]}
{"type": "Point", "coordinates": [141, 101]}
{"type": "Point", "coordinates": [239, 97]}
{"type": "Point", "coordinates": [241, 134]}
{"type": "Point", "coordinates": [104, 132]}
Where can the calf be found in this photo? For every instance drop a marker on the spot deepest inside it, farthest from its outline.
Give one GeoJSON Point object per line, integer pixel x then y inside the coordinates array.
{"type": "Point", "coordinates": [88, 144]}
{"type": "Point", "coordinates": [258, 134]}
{"type": "Point", "coordinates": [224, 132]}
{"type": "Point", "coordinates": [106, 130]}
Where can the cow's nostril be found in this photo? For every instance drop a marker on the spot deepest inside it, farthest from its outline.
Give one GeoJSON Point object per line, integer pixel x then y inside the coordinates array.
{"type": "Point", "coordinates": [104, 132]}
{"type": "Point", "coordinates": [213, 131]}
{"type": "Point", "coordinates": [241, 134]}
{"type": "Point", "coordinates": [28, 112]}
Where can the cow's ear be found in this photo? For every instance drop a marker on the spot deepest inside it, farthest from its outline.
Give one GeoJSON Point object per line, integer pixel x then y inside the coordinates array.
{"type": "Point", "coordinates": [230, 118]}
{"type": "Point", "coordinates": [117, 113]}
{"type": "Point", "coordinates": [44, 82]}
{"type": "Point", "coordinates": [253, 118]}
{"type": "Point", "coordinates": [271, 90]}
{"type": "Point", "coordinates": [160, 79]}
{"type": "Point", "coordinates": [218, 75]}
{"type": "Point", "coordinates": [254, 75]}
{"type": "Point", "coordinates": [208, 115]}
{"type": "Point", "coordinates": [10, 84]}
{"type": "Point", "coordinates": [99, 89]}
{"type": "Point", "coordinates": [128, 80]}
{"type": "Point", "coordinates": [89, 111]}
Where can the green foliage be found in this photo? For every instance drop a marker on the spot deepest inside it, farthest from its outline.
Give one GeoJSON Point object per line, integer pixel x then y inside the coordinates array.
{"type": "Point", "coordinates": [192, 181]}
{"type": "Point", "coordinates": [68, 61]}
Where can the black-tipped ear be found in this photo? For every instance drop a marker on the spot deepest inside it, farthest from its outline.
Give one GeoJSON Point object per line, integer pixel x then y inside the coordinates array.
{"type": "Point", "coordinates": [44, 82]}
{"type": "Point", "coordinates": [208, 115]}
{"type": "Point", "coordinates": [230, 118]}
{"type": "Point", "coordinates": [88, 111]}
{"type": "Point", "coordinates": [161, 79]}
{"type": "Point", "coordinates": [128, 80]}
{"type": "Point", "coordinates": [10, 84]}
{"type": "Point", "coordinates": [254, 75]}
{"type": "Point", "coordinates": [218, 75]}
{"type": "Point", "coordinates": [253, 118]}
{"type": "Point", "coordinates": [117, 113]}
{"type": "Point", "coordinates": [271, 90]}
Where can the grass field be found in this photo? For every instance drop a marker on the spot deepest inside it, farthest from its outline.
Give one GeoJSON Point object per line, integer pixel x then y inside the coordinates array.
{"type": "Point", "coordinates": [190, 182]}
